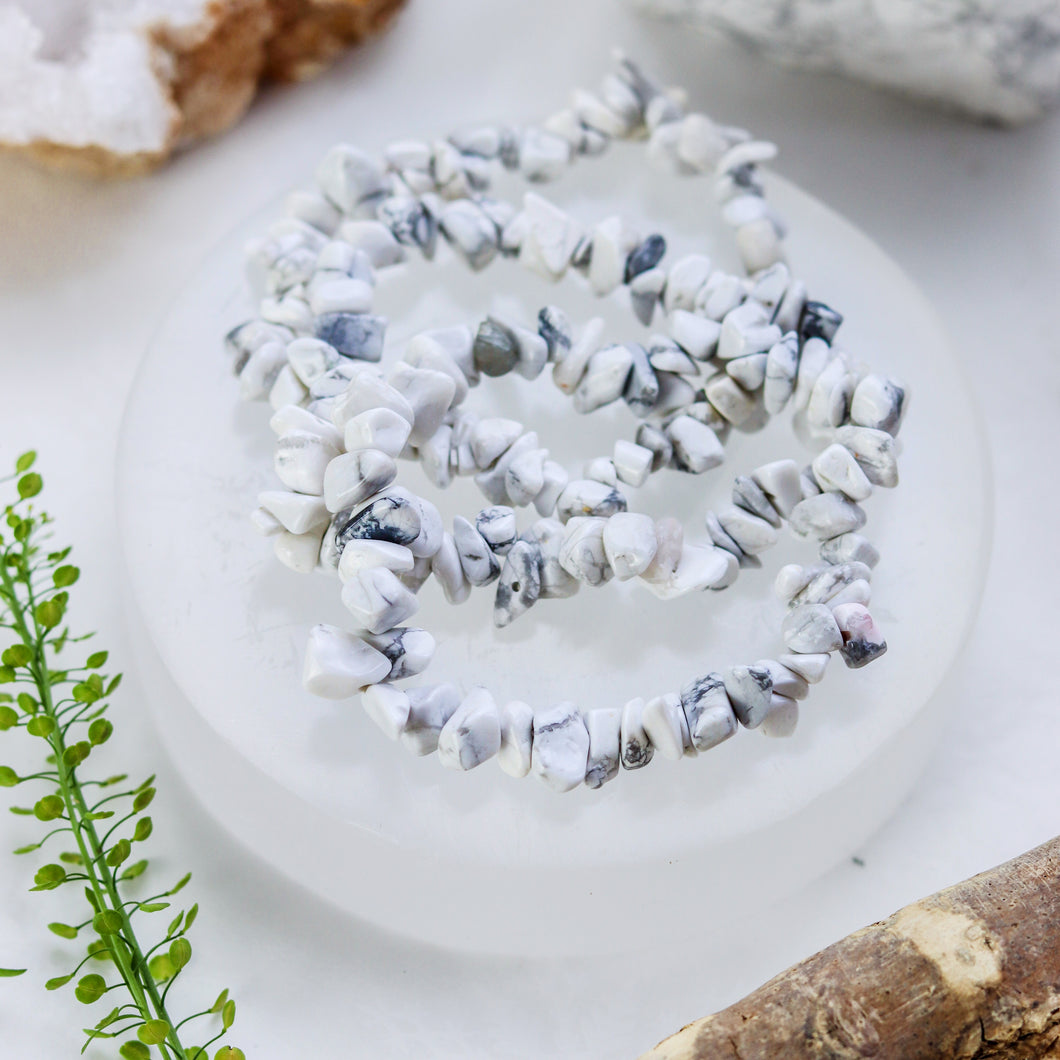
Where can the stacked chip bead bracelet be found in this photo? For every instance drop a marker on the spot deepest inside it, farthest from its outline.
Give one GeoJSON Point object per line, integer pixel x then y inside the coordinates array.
{"type": "Point", "coordinates": [337, 300]}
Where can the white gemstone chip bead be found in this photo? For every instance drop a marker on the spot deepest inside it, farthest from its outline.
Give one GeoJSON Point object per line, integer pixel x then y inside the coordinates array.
{"type": "Point", "coordinates": [491, 438]}
{"type": "Point", "coordinates": [875, 451]}
{"type": "Point", "coordinates": [360, 554]}
{"type": "Point", "coordinates": [686, 278]}
{"type": "Point", "coordinates": [785, 680]}
{"type": "Point", "coordinates": [664, 722]}
{"type": "Point", "coordinates": [299, 552]}
{"type": "Point", "coordinates": [696, 448]}
{"type": "Point", "coordinates": [567, 372]}
{"type": "Point", "coordinates": [550, 237]}
{"type": "Point", "coordinates": [351, 478]}
{"type": "Point", "coordinates": [409, 650]}
{"type": "Point", "coordinates": [629, 543]}
{"type": "Point", "coordinates": [708, 711]}
{"type": "Point", "coordinates": [826, 515]}
{"type": "Point", "coordinates": [783, 717]}
{"type": "Point", "coordinates": [811, 629]}
{"type": "Point", "coordinates": [751, 534]}
{"type": "Point", "coordinates": [636, 750]}
{"type": "Point", "coordinates": [517, 738]}
{"type": "Point", "coordinates": [878, 403]}
{"type": "Point", "coordinates": [849, 548]}
{"type": "Point", "coordinates": [862, 639]}
{"type": "Point", "coordinates": [298, 513]}
{"type": "Point", "coordinates": [339, 664]}
{"type": "Point", "coordinates": [749, 689]}
{"type": "Point", "coordinates": [782, 367]}
{"type": "Point", "coordinates": [699, 567]}
{"type": "Point", "coordinates": [632, 462]}
{"type": "Point", "coordinates": [810, 668]}
{"type": "Point", "coordinates": [378, 600]}
{"type": "Point", "coordinates": [779, 481]}
{"type": "Point", "coordinates": [561, 747]}
{"type": "Point", "coordinates": [473, 734]}
{"type": "Point", "coordinates": [696, 335]}
{"type": "Point", "coordinates": [556, 583]}
{"type": "Point", "coordinates": [301, 460]}
{"type": "Point", "coordinates": [388, 707]}
{"type": "Point", "coordinates": [586, 497]}
{"type": "Point", "coordinates": [479, 564]}
{"type": "Point", "coordinates": [369, 392]}
{"type": "Point", "coordinates": [836, 469]}
{"type": "Point", "coordinates": [445, 566]}
{"type": "Point", "coordinates": [430, 707]}
{"type": "Point", "coordinates": [604, 379]}
{"type": "Point", "coordinates": [604, 726]}
{"type": "Point", "coordinates": [670, 539]}
{"type": "Point", "coordinates": [582, 553]}
{"type": "Point", "coordinates": [429, 394]}
{"type": "Point", "coordinates": [265, 523]}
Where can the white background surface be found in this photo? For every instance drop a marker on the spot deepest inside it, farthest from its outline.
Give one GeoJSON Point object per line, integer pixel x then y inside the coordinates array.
{"type": "Point", "coordinates": [86, 271]}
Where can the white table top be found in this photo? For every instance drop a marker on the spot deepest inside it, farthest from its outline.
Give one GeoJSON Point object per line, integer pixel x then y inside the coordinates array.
{"type": "Point", "coordinates": [86, 272]}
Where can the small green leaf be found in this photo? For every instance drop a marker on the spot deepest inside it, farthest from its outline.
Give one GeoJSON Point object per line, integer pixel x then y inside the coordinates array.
{"type": "Point", "coordinates": [58, 981]}
{"type": "Point", "coordinates": [27, 704]}
{"type": "Point", "coordinates": [189, 919]}
{"type": "Point", "coordinates": [143, 800]}
{"type": "Point", "coordinates": [219, 1004]}
{"type": "Point", "coordinates": [70, 857]}
{"type": "Point", "coordinates": [144, 827]}
{"type": "Point", "coordinates": [25, 461]}
{"type": "Point", "coordinates": [11, 973]}
{"type": "Point", "coordinates": [179, 953]}
{"type": "Point", "coordinates": [97, 659]}
{"type": "Point", "coordinates": [49, 613]}
{"type": "Point", "coordinates": [137, 868]}
{"type": "Point", "coordinates": [64, 931]}
{"type": "Point", "coordinates": [174, 924]}
{"type": "Point", "coordinates": [65, 575]}
{"type": "Point", "coordinates": [49, 876]}
{"type": "Point", "coordinates": [153, 907]}
{"type": "Point", "coordinates": [109, 922]}
{"type": "Point", "coordinates": [30, 485]}
{"type": "Point", "coordinates": [100, 731]}
{"type": "Point", "coordinates": [7, 675]}
{"type": "Point", "coordinates": [118, 853]}
{"type": "Point", "coordinates": [114, 682]}
{"type": "Point", "coordinates": [180, 885]}
{"type": "Point", "coordinates": [153, 1032]}
{"type": "Point", "coordinates": [74, 755]}
{"type": "Point", "coordinates": [20, 811]}
{"type": "Point", "coordinates": [134, 1051]}
{"type": "Point", "coordinates": [90, 988]}
{"type": "Point", "coordinates": [92, 900]}
{"type": "Point", "coordinates": [41, 725]}
{"type": "Point", "coordinates": [26, 849]}
{"type": "Point", "coordinates": [161, 968]}
{"type": "Point", "coordinates": [8, 777]}
{"type": "Point", "coordinates": [228, 1014]}
{"type": "Point", "coordinates": [228, 1052]}
{"type": "Point", "coordinates": [83, 692]}
{"type": "Point", "coordinates": [99, 950]}
{"type": "Point", "coordinates": [8, 719]}
{"type": "Point", "coordinates": [50, 808]}
{"type": "Point", "coordinates": [17, 655]}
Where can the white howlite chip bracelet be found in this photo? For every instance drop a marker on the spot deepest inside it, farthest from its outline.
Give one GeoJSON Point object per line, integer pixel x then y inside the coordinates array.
{"type": "Point", "coordinates": [718, 353]}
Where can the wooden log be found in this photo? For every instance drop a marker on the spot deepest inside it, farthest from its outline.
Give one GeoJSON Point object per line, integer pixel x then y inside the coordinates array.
{"type": "Point", "coordinates": [970, 972]}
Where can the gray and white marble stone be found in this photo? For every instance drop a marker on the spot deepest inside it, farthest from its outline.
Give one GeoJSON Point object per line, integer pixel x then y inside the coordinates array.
{"type": "Point", "coordinates": [473, 734]}
{"type": "Point", "coordinates": [554, 326]}
{"type": "Point", "coordinates": [561, 747]}
{"type": "Point", "coordinates": [349, 176]}
{"type": "Point", "coordinates": [745, 330]}
{"type": "Point", "coordinates": [378, 600]}
{"type": "Point", "coordinates": [567, 373]}
{"type": "Point", "coordinates": [375, 240]}
{"type": "Point", "coordinates": [665, 723]}
{"type": "Point", "coordinates": [477, 560]}
{"type": "Point", "coordinates": [467, 228]}
{"type": "Point", "coordinates": [498, 527]}
{"type": "Point", "coordinates": [813, 358]}
{"type": "Point", "coordinates": [632, 462]}
{"type": "Point", "coordinates": [582, 553]}
{"type": "Point", "coordinates": [684, 281]}
{"type": "Point", "coordinates": [367, 392]}
{"type": "Point", "coordinates": [730, 399]}
{"type": "Point", "coordinates": [848, 548]}
{"type": "Point", "coordinates": [651, 438]}
{"type": "Point", "coordinates": [550, 234]}
{"type": "Point", "coordinates": [354, 335]}
{"type": "Point", "coordinates": [604, 726]}
{"type": "Point", "coordinates": [519, 585]}
{"type": "Point", "coordinates": [635, 749]}
{"type": "Point", "coordinates": [782, 369]}
{"type": "Point", "coordinates": [779, 481]}
{"type": "Point", "coordinates": [525, 477]}
{"type": "Point", "coordinates": [311, 358]}
{"type": "Point", "coordinates": [408, 649]}
{"type": "Point", "coordinates": [491, 438]}
{"type": "Point", "coordinates": [430, 707]}
{"type": "Point", "coordinates": [749, 371]}
{"type": "Point", "coordinates": [431, 355]}
{"type": "Point", "coordinates": [875, 451]}
{"type": "Point", "coordinates": [339, 664]}
{"type": "Point", "coordinates": [785, 680]}
{"type": "Point", "coordinates": [352, 478]}
{"type": "Point", "coordinates": [751, 533]}
{"type": "Point", "coordinates": [360, 554]}
{"type": "Point", "coordinates": [642, 385]}
{"type": "Point", "coordinates": [826, 515]}
{"type": "Point", "coordinates": [492, 483]}
{"type": "Point", "coordinates": [696, 448]}
{"type": "Point", "coordinates": [829, 401]}
{"type": "Point", "coordinates": [604, 379]}
{"type": "Point", "coordinates": [299, 552]}
{"type": "Point", "coordinates": [835, 469]}
{"type": "Point", "coordinates": [664, 355]}
{"type": "Point", "coordinates": [783, 717]}
{"type": "Point", "coordinates": [601, 469]}
{"type": "Point", "coordinates": [554, 482]}
{"type": "Point", "coordinates": [749, 689]}
{"type": "Point", "coordinates": [811, 630]}
{"type": "Point", "coordinates": [695, 334]}
{"type": "Point", "coordinates": [584, 497]}
{"type": "Point", "coordinates": [708, 711]}
{"type": "Point", "coordinates": [556, 583]}
{"type": "Point", "coordinates": [301, 459]}
{"type": "Point", "coordinates": [747, 494]}
{"type": "Point", "coordinates": [699, 567]}
{"type": "Point", "coordinates": [862, 639]}
{"type": "Point", "coordinates": [878, 403]}
{"type": "Point", "coordinates": [996, 60]}
{"type": "Point", "coordinates": [446, 567]}
{"type": "Point", "coordinates": [297, 513]}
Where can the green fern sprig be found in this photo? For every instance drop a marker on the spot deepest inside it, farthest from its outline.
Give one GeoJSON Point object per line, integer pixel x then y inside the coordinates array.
{"type": "Point", "coordinates": [99, 822]}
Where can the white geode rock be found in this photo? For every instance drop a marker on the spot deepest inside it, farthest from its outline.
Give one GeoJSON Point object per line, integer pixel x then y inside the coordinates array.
{"type": "Point", "coordinates": [996, 59]}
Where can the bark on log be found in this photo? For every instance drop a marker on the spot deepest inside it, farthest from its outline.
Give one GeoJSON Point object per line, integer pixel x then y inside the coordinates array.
{"type": "Point", "coordinates": [970, 972]}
